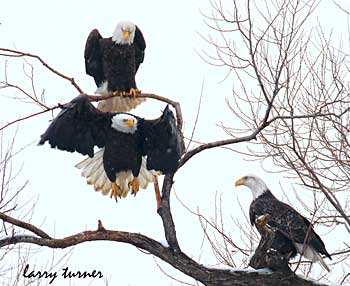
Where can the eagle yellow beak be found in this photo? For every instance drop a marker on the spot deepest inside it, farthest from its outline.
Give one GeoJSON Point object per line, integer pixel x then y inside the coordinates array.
{"type": "Point", "coordinates": [130, 122]}
{"type": "Point", "coordinates": [240, 182]}
{"type": "Point", "coordinates": [126, 35]}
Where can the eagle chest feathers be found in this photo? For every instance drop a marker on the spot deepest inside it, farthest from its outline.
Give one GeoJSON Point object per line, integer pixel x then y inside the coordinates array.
{"type": "Point", "coordinates": [122, 153]}
{"type": "Point", "coordinates": [119, 64]}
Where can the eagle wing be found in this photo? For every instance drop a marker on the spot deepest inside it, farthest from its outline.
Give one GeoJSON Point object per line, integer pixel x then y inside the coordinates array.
{"type": "Point", "coordinates": [316, 241]}
{"type": "Point", "coordinates": [140, 46]}
{"type": "Point", "coordinates": [299, 229]}
{"type": "Point", "coordinates": [161, 143]}
{"type": "Point", "coordinates": [283, 218]}
{"type": "Point", "coordinates": [289, 222]}
{"type": "Point", "coordinates": [93, 57]}
{"type": "Point", "coordinates": [78, 127]}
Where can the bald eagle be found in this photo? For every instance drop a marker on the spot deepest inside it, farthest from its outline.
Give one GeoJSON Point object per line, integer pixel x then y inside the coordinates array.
{"type": "Point", "coordinates": [294, 232]}
{"type": "Point", "coordinates": [128, 141]}
{"type": "Point", "coordinates": [113, 63]}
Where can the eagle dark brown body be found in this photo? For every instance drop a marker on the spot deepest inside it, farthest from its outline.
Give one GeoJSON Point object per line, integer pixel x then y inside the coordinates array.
{"type": "Point", "coordinates": [119, 68]}
{"type": "Point", "coordinates": [290, 226]}
{"type": "Point", "coordinates": [119, 156]}
{"type": "Point", "coordinates": [114, 63]}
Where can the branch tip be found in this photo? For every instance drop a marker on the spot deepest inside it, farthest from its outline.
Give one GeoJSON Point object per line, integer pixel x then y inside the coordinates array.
{"type": "Point", "coordinates": [100, 227]}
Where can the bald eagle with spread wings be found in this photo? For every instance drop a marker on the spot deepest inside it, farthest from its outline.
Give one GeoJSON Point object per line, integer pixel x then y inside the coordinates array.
{"type": "Point", "coordinates": [131, 146]}
{"type": "Point", "coordinates": [293, 232]}
{"type": "Point", "coordinates": [113, 63]}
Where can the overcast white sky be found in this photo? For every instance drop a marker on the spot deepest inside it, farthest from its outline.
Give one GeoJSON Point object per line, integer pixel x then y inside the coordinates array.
{"type": "Point", "coordinates": [57, 31]}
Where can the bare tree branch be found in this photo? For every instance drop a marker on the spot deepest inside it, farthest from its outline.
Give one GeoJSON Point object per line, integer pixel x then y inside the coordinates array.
{"type": "Point", "coordinates": [24, 225]}
{"type": "Point", "coordinates": [15, 53]}
{"type": "Point", "coordinates": [175, 258]}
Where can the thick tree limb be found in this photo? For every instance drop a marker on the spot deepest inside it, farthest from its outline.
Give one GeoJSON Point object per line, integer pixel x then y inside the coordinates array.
{"type": "Point", "coordinates": [165, 214]}
{"type": "Point", "coordinates": [179, 260]}
{"type": "Point", "coordinates": [264, 256]}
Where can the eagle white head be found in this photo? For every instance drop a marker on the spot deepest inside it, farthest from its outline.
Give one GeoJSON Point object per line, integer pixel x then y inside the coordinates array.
{"type": "Point", "coordinates": [254, 183]}
{"type": "Point", "coordinates": [124, 33]}
{"type": "Point", "coordinates": [124, 122]}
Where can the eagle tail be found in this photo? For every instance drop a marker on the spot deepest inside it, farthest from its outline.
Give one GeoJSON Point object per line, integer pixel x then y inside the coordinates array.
{"type": "Point", "coordinates": [321, 260]}
{"type": "Point", "coordinates": [93, 171]}
{"type": "Point", "coordinates": [118, 103]}
{"type": "Point", "coordinates": [311, 253]}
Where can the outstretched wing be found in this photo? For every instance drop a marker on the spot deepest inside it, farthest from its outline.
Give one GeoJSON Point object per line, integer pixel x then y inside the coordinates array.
{"type": "Point", "coordinates": [78, 127]}
{"type": "Point", "coordinates": [161, 143]}
{"type": "Point", "coordinates": [140, 46]}
{"type": "Point", "coordinates": [93, 57]}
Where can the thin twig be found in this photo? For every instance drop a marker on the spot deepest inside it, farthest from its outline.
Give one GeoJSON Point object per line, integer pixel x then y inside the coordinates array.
{"type": "Point", "coordinates": [15, 53]}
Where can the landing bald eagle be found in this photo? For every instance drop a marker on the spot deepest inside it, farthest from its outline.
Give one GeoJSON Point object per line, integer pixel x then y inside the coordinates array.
{"type": "Point", "coordinates": [294, 233]}
{"type": "Point", "coordinates": [126, 139]}
{"type": "Point", "coordinates": [113, 63]}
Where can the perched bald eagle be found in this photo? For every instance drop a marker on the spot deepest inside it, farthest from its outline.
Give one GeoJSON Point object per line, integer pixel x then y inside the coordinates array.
{"type": "Point", "coordinates": [293, 232]}
{"type": "Point", "coordinates": [131, 145]}
{"type": "Point", "coordinates": [113, 63]}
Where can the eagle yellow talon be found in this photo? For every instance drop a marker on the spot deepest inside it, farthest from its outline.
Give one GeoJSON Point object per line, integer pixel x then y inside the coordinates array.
{"type": "Point", "coordinates": [135, 186]}
{"type": "Point", "coordinates": [116, 93]}
{"type": "Point", "coordinates": [134, 91]}
{"type": "Point", "coordinates": [115, 190]}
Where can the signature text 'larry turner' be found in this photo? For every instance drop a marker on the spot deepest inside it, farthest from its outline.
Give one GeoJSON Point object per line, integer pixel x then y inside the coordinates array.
{"type": "Point", "coordinates": [66, 273]}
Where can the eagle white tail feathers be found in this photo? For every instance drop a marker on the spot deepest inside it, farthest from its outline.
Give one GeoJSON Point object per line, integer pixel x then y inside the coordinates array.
{"type": "Point", "coordinates": [321, 261]}
{"type": "Point", "coordinates": [118, 103]}
{"type": "Point", "coordinates": [93, 171]}
{"type": "Point", "coordinates": [311, 254]}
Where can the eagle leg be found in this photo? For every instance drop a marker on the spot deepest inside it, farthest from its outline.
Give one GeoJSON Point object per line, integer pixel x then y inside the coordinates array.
{"type": "Point", "coordinates": [157, 192]}
{"type": "Point", "coordinates": [134, 91]}
{"type": "Point", "coordinates": [116, 192]}
{"type": "Point", "coordinates": [116, 93]}
{"type": "Point", "coordinates": [135, 186]}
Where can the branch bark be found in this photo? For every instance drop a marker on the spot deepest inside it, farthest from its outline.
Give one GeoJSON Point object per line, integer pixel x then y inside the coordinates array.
{"type": "Point", "coordinates": [179, 260]}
